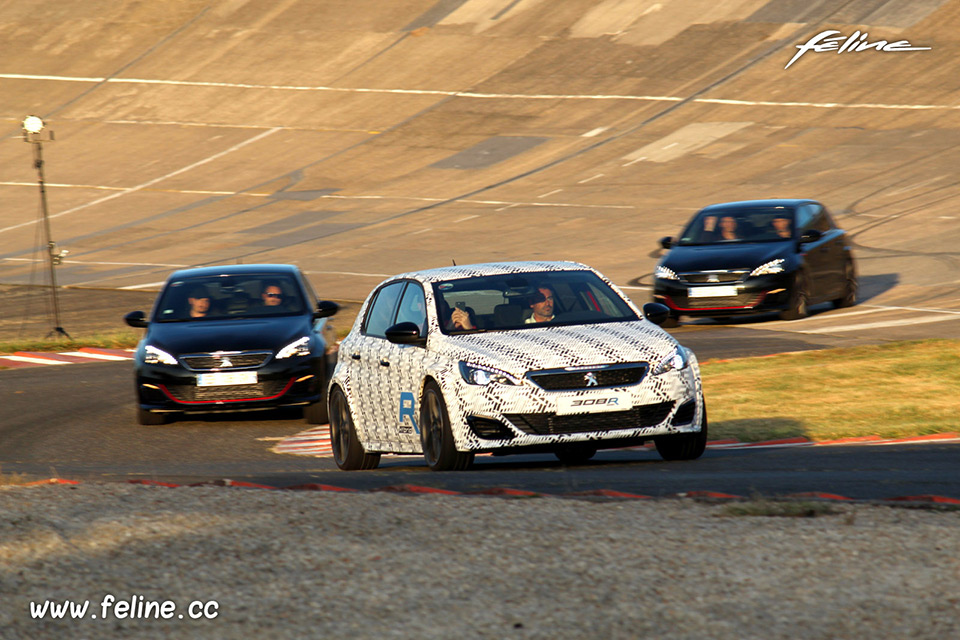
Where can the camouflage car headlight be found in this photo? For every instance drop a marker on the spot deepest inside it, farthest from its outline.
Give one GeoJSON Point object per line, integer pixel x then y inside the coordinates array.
{"type": "Point", "coordinates": [676, 360]}
{"type": "Point", "coordinates": [475, 374]}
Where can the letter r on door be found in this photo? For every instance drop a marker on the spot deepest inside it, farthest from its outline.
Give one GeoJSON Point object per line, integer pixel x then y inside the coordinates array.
{"type": "Point", "coordinates": [407, 403]}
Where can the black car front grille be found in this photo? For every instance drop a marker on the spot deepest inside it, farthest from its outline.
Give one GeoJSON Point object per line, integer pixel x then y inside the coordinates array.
{"type": "Point", "coordinates": [544, 424]}
{"type": "Point", "coordinates": [742, 300]}
{"type": "Point", "coordinates": [620, 375]}
{"type": "Point", "coordinates": [258, 391]}
{"type": "Point", "coordinates": [697, 277]}
{"type": "Point", "coordinates": [210, 361]}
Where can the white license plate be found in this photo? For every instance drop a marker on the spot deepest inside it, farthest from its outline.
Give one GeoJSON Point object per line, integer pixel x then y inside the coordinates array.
{"type": "Point", "coordinates": [598, 403]}
{"type": "Point", "coordinates": [712, 292]}
{"type": "Point", "coordinates": [226, 378]}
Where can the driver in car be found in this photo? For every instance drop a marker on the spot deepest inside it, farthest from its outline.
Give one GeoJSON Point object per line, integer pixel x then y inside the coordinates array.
{"type": "Point", "coordinates": [199, 301]}
{"type": "Point", "coordinates": [542, 305]}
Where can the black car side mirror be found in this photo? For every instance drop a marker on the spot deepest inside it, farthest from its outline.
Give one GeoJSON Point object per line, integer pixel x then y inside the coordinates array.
{"type": "Point", "coordinates": [666, 242]}
{"type": "Point", "coordinates": [810, 235]}
{"type": "Point", "coordinates": [325, 309]}
{"type": "Point", "coordinates": [136, 319]}
{"type": "Point", "coordinates": [405, 333]}
{"type": "Point", "coordinates": [656, 313]}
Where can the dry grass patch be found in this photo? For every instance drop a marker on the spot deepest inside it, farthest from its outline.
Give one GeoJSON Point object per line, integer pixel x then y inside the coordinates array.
{"type": "Point", "coordinates": [891, 390]}
{"type": "Point", "coordinates": [13, 479]}
{"type": "Point", "coordinates": [778, 509]}
{"type": "Point", "coordinates": [111, 340]}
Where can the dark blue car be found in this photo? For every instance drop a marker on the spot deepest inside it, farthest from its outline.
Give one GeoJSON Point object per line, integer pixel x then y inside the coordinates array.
{"type": "Point", "coordinates": [234, 338]}
{"type": "Point", "coordinates": [756, 256]}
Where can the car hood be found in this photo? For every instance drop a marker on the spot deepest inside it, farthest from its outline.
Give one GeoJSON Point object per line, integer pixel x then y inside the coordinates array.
{"type": "Point", "coordinates": [234, 334]}
{"type": "Point", "coordinates": [519, 351]}
{"type": "Point", "coordinates": [725, 256]}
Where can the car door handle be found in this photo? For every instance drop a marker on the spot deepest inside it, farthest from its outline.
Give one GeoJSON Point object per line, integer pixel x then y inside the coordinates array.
{"type": "Point", "coordinates": [355, 356]}
{"type": "Point", "coordinates": [384, 363]}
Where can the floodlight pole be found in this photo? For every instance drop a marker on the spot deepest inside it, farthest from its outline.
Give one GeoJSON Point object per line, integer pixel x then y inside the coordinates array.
{"type": "Point", "coordinates": [54, 256]}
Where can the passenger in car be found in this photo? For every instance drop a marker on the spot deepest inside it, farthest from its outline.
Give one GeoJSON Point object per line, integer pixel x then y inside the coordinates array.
{"type": "Point", "coordinates": [728, 228]}
{"type": "Point", "coordinates": [461, 318]}
{"type": "Point", "coordinates": [709, 227]}
{"type": "Point", "coordinates": [781, 225]}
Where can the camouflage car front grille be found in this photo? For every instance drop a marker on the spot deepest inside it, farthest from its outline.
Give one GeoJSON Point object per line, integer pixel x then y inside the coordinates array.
{"type": "Point", "coordinates": [618, 375]}
{"type": "Point", "coordinates": [543, 424]}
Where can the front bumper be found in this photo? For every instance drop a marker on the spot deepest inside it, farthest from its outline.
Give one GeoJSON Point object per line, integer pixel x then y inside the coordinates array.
{"type": "Point", "coordinates": [513, 419]}
{"type": "Point", "coordinates": [166, 388]}
{"type": "Point", "coordinates": [759, 294]}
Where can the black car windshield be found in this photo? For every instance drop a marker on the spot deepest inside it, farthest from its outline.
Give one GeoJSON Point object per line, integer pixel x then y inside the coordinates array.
{"type": "Point", "coordinates": [526, 301]}
{"type": "Point", "coordinates": [229, 296]}
{"type": "Point", "coordinates": [731, 226]}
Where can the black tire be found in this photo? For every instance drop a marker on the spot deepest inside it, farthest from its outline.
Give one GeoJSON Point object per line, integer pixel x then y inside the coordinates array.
{"type": "Point", "coordinates": [436, 436]}
{"type": "Point", "coordinates": [348, 453]}
{"type": "Point", "coordinates": [799, 299]}
{"type": "Point", "coordinates": [316, 413]}
{"type": "Point", "coordinates": [684, 446]}
{"type": "Point", "coordinates": [672, 322]}
{"type": "Point", "coordinates": [850, 286]}
{"type": "Point", "coordinates": [575, 454]}
{"type": "Point", "coordinates": [150, 418]}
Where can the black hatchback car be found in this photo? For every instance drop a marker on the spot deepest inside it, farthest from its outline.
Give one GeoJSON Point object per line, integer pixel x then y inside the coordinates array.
{"type": "Point", "coordinates": [756, 256]}
{"type": "Point", "coordinates": [237, 337]}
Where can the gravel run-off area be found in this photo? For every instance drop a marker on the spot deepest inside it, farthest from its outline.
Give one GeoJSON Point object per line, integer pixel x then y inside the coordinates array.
{"type": "Point", "coordinates": [297, 564]}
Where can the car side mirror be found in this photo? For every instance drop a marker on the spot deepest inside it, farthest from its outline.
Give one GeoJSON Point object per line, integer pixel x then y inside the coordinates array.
{"type": "Point", "coordinates": [136, 319]}
{"type": "Point", "coordinates": [810, 235]}
{"type": "Point", "coordinates": [405, 333]}
{"type": "Point", "coordinates": [666, 242]}
{"type": "Point", "coordinates": [656, 313]}
{"type": "Point", "coordinates": [325, 309]}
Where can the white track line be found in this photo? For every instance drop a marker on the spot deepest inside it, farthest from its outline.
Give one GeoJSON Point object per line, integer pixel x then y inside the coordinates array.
{"type": "Point", "coordinates": [882, 325]}
{"type": "Point", "coordinates": [148, 285]}
{"type": "Point", "coordinates": [149, 183]}
{"type": "Point", "coordinates": [921, 309]}
{"type": "Point", "coordinates": [33, 360]}
{"type": "Point", "coordinates": [473, 94]}
{"type": "Point", "coordinates": [121, 264]}
{"type": "Point", "coordinates": [95, 356]}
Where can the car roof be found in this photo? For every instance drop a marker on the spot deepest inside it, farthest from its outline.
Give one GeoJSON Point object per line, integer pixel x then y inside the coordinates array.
{"type": "Point", "coordinates": [458, 272]}
{"type": "Point", "coordinates": [234, 269]}
{"type": "Point", "coordinates": [748, 204]}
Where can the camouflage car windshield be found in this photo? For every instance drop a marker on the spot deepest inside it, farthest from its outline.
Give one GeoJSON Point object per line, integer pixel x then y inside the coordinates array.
{"type": "Point", "coordinates": [529, 300]}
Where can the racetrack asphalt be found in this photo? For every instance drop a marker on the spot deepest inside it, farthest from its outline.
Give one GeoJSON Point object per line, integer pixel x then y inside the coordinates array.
{"type": "Point", "coordinates": [78, 422]}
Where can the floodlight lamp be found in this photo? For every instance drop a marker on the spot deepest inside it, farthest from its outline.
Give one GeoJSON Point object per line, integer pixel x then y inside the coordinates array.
{"type": "Point", "coordinates": [33, 124]}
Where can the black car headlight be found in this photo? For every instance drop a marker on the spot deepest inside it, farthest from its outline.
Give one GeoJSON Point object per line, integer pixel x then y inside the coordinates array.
{"type": "Point", "coordinates": [768, 268]}
{"type": "Point", "coordinates": [676, 360]}
{"type": "Point", "coordinates": [299, 347]}
{"type": "Point", "coordinates": [475, 374]}
{"type": "Point", "coordinates": [664, 273]}
{"type": "Point", "coordinates": [152, 355]}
